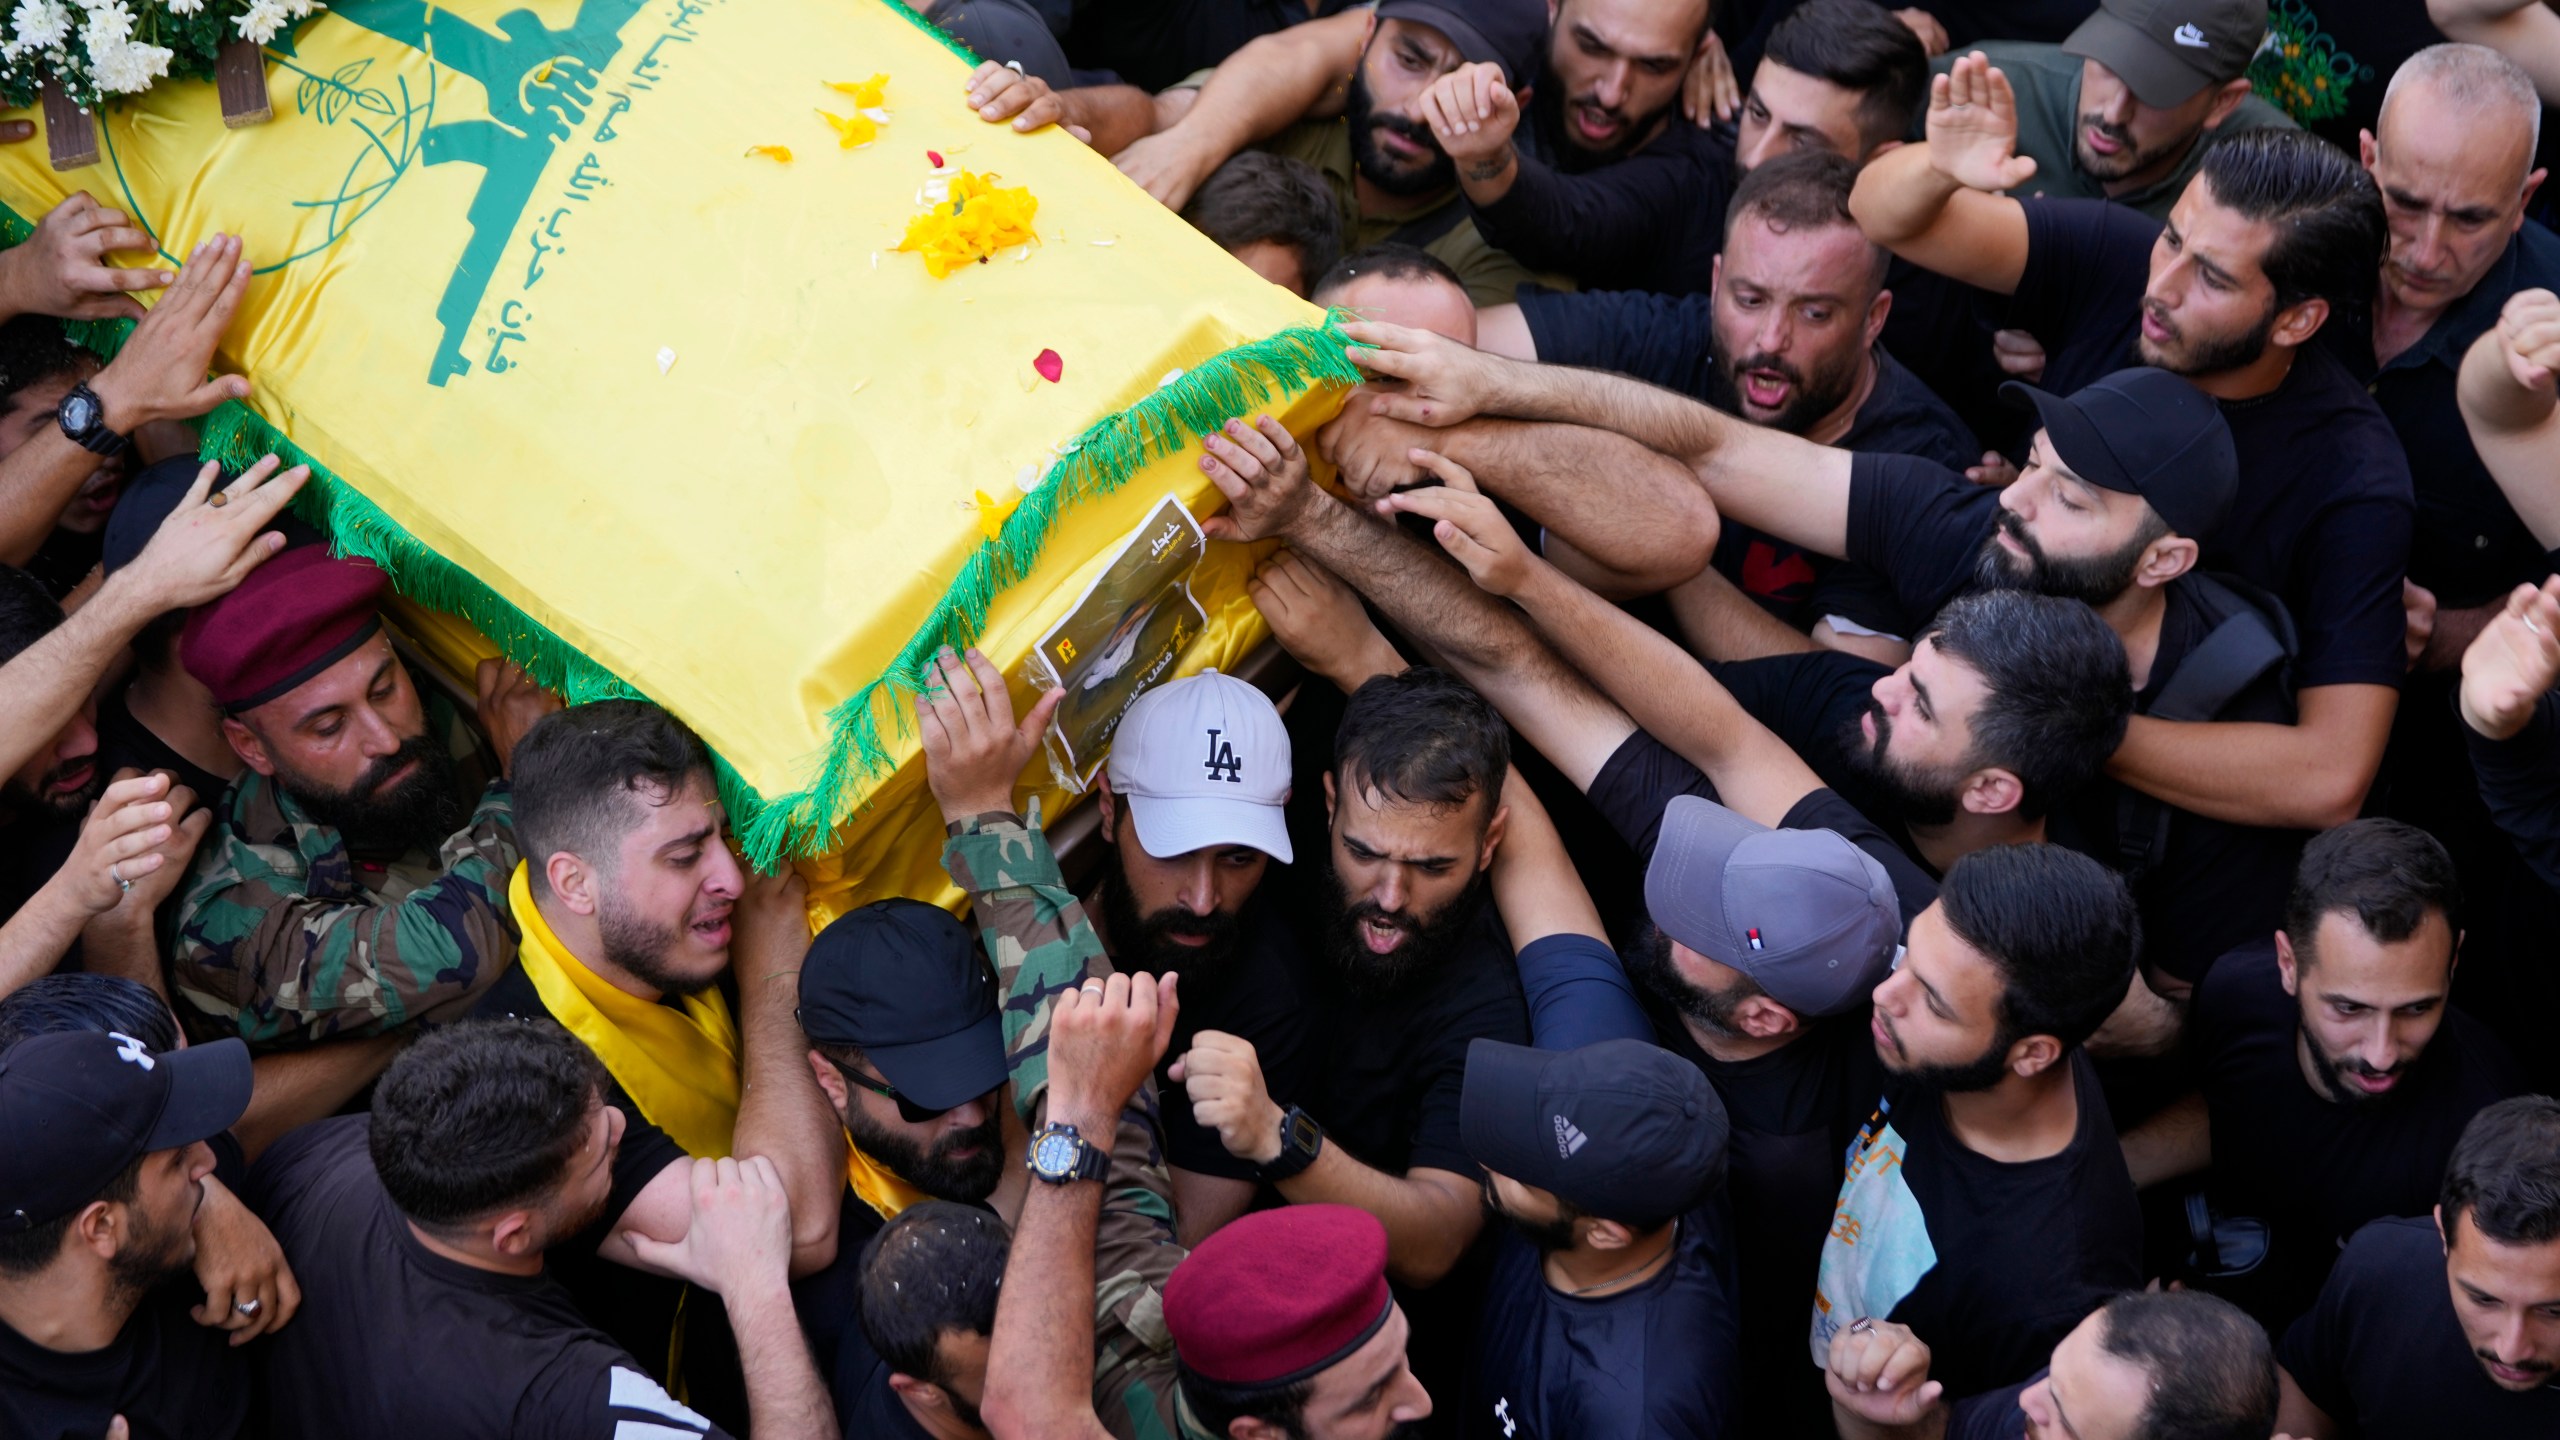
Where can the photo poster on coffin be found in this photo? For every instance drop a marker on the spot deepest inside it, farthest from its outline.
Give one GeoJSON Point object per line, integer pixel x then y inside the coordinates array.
{"type": "Point", "coordinates": [1125, 635]}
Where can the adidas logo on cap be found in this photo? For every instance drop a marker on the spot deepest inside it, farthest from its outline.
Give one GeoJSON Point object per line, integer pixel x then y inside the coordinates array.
{"type": "Point", "coordinates": [1569, 1140]}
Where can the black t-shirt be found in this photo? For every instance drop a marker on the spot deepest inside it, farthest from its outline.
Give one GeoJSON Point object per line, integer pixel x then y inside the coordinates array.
{"type": "Point", "coordinates": [170, 1378]}
{"type": "Point", "coordinates": [1650, 220]}
{"type": "Point", "coordinates": [1257, 994]}
{"type": "Point", "coordinates": [1812, 700]}
{"type": "Point", "coordinates": [1652, 1362]}
{"type": "Point", "coordinates": [2384, 1355]}
{"type": "Point", "coordinates": [2325, 507]}
{"type": "Point", "coordinates": [2469, 547]}
{"type": "Point", "coordinates": [378, 1308]}
{"type": "Point", "coordinates": [1385, 1073]}
{"type": "Point", "coordinates": [2215, 885]}
{"type": "Point", "coordinates": [638, 1310]}
{"type": "Point", "coordinates": [2314, 1170]}
{"type": "Point", "coordinates": [125, 742]}
{"type": "Point", "coordinates": [65, 559]}
{"type": "Point", "coordinates": [829, 1303]}
{"type": "Point", "coordinates": [1153, 44]}
{"type": "Point", "coordinates": [33, 847]}
{"type": "Point", "coordinates": [1992, 1263]}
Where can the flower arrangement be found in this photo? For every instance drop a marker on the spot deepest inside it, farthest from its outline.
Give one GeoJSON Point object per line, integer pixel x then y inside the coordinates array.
{"type": "Point", "coordinates": [98, 49]}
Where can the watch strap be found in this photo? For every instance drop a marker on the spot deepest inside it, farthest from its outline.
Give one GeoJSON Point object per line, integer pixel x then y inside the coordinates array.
{"type": "Point", "coordinates": [95, 438]}
{"type": "Point", "coordinates": [1301, 1141]}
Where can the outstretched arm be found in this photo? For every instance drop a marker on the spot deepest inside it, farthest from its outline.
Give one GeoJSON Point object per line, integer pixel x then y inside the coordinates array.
{"type": "Point", "coordinates": [2509, 381]}
{"type": "Point", "coordinates": [782, 1114]}
{"type": "Point", "coordinates": [1299, 73]}
{"type": "Point", "coordinates": [2525, 31]}
{"type": "Point", "coordinates": [1937, 204]}
{"type": "Point", "coordinates": [2309, 775]}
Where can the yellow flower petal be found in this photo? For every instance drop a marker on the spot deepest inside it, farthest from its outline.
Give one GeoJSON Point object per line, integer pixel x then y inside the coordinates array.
{"type": "Point", "coordinates": [852, 131]}
{"type": "Point", "coordinates": [992, 513]}
{"type": "Point", "coordinates": [973, 221]}
{"type": "Point", "coordinates": [771, 152]}
{"type": "Point", "coordinates": [867, 94]}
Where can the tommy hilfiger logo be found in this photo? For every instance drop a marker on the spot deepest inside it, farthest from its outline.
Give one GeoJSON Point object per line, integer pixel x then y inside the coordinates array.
{"type": "Point", "coordinates": [2190, 36]}
{"type": "Point", "coordinates": [1568, 1138]}
{"type": "Point", "coordinates": [1222, 756]}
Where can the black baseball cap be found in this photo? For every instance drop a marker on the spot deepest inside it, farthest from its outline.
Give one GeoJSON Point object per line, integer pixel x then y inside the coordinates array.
{"type": "Point", "coordinates": [77, 1107]}
{"type": "Point", "coordinates": [2167, 50]}
{"type": "Point", "coordinates": [902, 980]}
{"type": "Point", "coordinates": [150, 496]}
{"type": "Point", "coordinates": [2144, 432]}
{"type": "Point", "coordinates": [1621, 1130]}
{"type": "Point", "coordinates": [1510, 33]}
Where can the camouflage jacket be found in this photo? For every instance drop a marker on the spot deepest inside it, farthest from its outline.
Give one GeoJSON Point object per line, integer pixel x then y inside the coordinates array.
{"type": "Point", "coordinates": [281, 941]}
{"type": "Point", "coordinates": [1035, 931]}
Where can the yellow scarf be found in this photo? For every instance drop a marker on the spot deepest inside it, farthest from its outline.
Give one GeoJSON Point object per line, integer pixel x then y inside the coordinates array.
{"type": "Point", "coordinates": [875, 1186]}
{"type": "Point", "coordinates": [678, 1063]}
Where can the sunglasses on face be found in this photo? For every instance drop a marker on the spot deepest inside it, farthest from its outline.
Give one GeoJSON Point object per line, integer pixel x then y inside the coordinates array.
{"type": "Point", "coordinates": [908, 1110]}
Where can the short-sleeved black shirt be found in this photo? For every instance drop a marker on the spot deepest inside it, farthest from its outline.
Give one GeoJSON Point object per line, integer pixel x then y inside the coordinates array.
{"type": "Point", "coordinates": [170, 1378]}
{"type": "Point", "coordinates": [2383, 1353]}
{"type": "Point", "coordinates": [380, 1308]}
{"type": "Point", "coordinates": [2325, 507]}
{"type": "Point", "coordinates": [1385, 1073]}
{"type": "Point", "coordinates": [1257, 994]}
{"type": "Point", "coordinates": [2213, 886]}
{"type": "Point", "coordinates": [2469, 547]}
{"type": "Point", "coordinates": [2314, 1170]}
{"type": "Point", "coordinates": [124, 741]}
{"type": "Point", "coordinates": [1650, 220]}
{"type": "Point", "coordinates": [1991, 1262]}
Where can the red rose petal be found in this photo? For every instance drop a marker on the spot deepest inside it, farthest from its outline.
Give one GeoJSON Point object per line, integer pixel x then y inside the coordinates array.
{"type": "Point", "coordinates": [1049, 366]}
{"type": "Point", "coordinates": [934, 157]}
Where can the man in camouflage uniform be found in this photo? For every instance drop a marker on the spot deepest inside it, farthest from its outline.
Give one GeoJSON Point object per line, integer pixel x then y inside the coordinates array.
{"type": "Point", "coordinates": [1036, 932]}
{"type": "Point", "coordinates": [342, 891]}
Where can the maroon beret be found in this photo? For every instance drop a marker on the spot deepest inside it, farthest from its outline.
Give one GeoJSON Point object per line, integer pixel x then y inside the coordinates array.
{"type": "Point", "coordinates": [1278, 1295]}
{"type": "Point", "coordinates": [295, 616]}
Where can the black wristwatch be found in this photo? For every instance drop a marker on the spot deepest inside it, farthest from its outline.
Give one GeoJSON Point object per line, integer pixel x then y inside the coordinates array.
{"type": "Point", "coordinates": [84, 420]}
{"type": "Point", "coordinates": [1059, 1155]}
{"type": "Point", "coordinates": [1301, 1140]}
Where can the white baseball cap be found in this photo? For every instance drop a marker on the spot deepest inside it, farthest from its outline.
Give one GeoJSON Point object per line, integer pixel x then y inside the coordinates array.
{"type": "Point", "coordinates": [1203, 761]}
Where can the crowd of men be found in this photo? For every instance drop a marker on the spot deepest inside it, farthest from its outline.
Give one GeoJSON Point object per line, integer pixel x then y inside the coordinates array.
{"type": "Point", "coordinates": [1920, 796]}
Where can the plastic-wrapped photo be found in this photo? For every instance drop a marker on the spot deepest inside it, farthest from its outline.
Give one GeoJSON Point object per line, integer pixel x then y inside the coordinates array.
{"type": "Point", "coordinates": [1125, 634]}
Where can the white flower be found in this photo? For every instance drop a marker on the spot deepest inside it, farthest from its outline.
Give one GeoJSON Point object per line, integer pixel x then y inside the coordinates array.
{"type": "Point", "coordinates": [260, 22]}
{"type": "Point", "coordinates": [123, 68]}
{"type": "Point", "coordinates": [37, 25]}
{"type": "Point", "coordinates": [108, 26]}
{"type": "Point", "coordinates": [183, 7]}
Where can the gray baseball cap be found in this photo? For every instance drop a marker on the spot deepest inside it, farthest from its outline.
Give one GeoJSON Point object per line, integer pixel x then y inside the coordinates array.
{"type": "Point", "coordinates": [2167, 50]}
{"type": "Point", "coordinates": [1811, 918]}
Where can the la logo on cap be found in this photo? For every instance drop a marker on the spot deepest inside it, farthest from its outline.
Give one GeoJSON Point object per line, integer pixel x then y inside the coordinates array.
{"type": "Point", "coordinates": [1222, 763]}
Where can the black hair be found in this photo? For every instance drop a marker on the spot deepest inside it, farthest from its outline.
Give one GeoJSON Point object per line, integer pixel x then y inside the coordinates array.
{"type": "Point", "coordinates": [1218, 1406]}
{"type": "Point", "coordinates": [2387, 874]}
{"type": "Point", "coordinates": [28, 612]}
{"type": "Point", "coordinates": [1259, 196]}
{"type": "Point", "coordinates": [575, 767]}
{"type": "Point", "coordinates": [1424, 737]}
{"type": "Point", "coordinates": [1388, 260]}
{"type": "Point", "coordinates": [2058, 691]}
{"type": "Point", "coordinates": [27, 1252]}
{"type": "Point", "coordinates": [2060, 927]}
{"type": "Point", "coordinates": [78, 1001]}
{"type": "Point", "coordinates": [2505, 1173]}
{"type": "Point", "coordinates": [2212, 1372]}
{"type": "Point", "coordinates": [2330, 233]}
{"type": "Point", "coordinates": [34, 349]}
{"type": "Point", "coordinates": [1857, 45]}
{"type": "Point", "coordinates": [936, 1267]}
{"type": "Point", "coordinates": [482, 1117]}
{"type": "Point", "coordinates": [1800, 191]}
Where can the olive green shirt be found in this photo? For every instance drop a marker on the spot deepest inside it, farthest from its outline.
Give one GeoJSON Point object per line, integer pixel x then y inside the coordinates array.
{"type": "Point", "coordinates": [1444, 228]}
{"type": "Point", "coordinates": [2048, 85]}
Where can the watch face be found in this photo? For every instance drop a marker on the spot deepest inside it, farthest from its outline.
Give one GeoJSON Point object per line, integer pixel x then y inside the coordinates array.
{"type": "Point", "coordinates": [1302, 1132]}
{"type": "Point", "coordinates": [79, 412]}
{"type": "Point", "coordinates": [1053, 1154]}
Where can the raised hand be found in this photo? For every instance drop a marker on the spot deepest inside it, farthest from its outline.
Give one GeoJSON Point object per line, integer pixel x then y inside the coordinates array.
{"type": "Point", "coordinates": [122, 840]}
{"type": "Point", "coordinates": [1880, 1373]}
{"type": "Point", "coordinates": [1263, 474]}
{"type": "Point", "coordinates": [1105, 1038]}
{"type": "Point", "coordinates": [212, 540]}
{"type": "Point", "coordinates": [160, 372]}
{"type": "Point", "coordinates": [62, 268]}
{"type": "Point", "coordinates": [509, 705]}
{"type": "Point", "coordinates": [1708, 93]}
{"type": "Point", "coordinates": [249, 1290]}
{"type": "Point", "coordinates": [2529, 336]}
{"type": "Point", "coordinates": [1467, 525]}
{"type": "Point", "coordinates": [973, 750]}
{"type": "Point", "coordinates": [1973, 127]}
{"type": "Point", "coordinates": [2513, 662]}
{"type": "Point", "coordinates": [740, 1238]}
{"type": "Point", "coordinates": [1473, 114]}
{"type": "Point", "coordinates": [1444, 382]}
{"type": "Point", "coordinates": [1223, 1075]}
{"type": "Point", "coordinates": [1370, 453]}
{"type": "Point", "coordinates": [1320, 622]}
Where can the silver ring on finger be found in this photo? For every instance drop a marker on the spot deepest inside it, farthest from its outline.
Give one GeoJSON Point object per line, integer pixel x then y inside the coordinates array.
{"type": "Point", "coordinates": [1862, 1327]}
{"type": "Point", "coordinates": [246, 1307]}
{"type": "Point", "coordinates": [116, 873]}
{"type": "Point", "coordinates": [2529, 625]}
